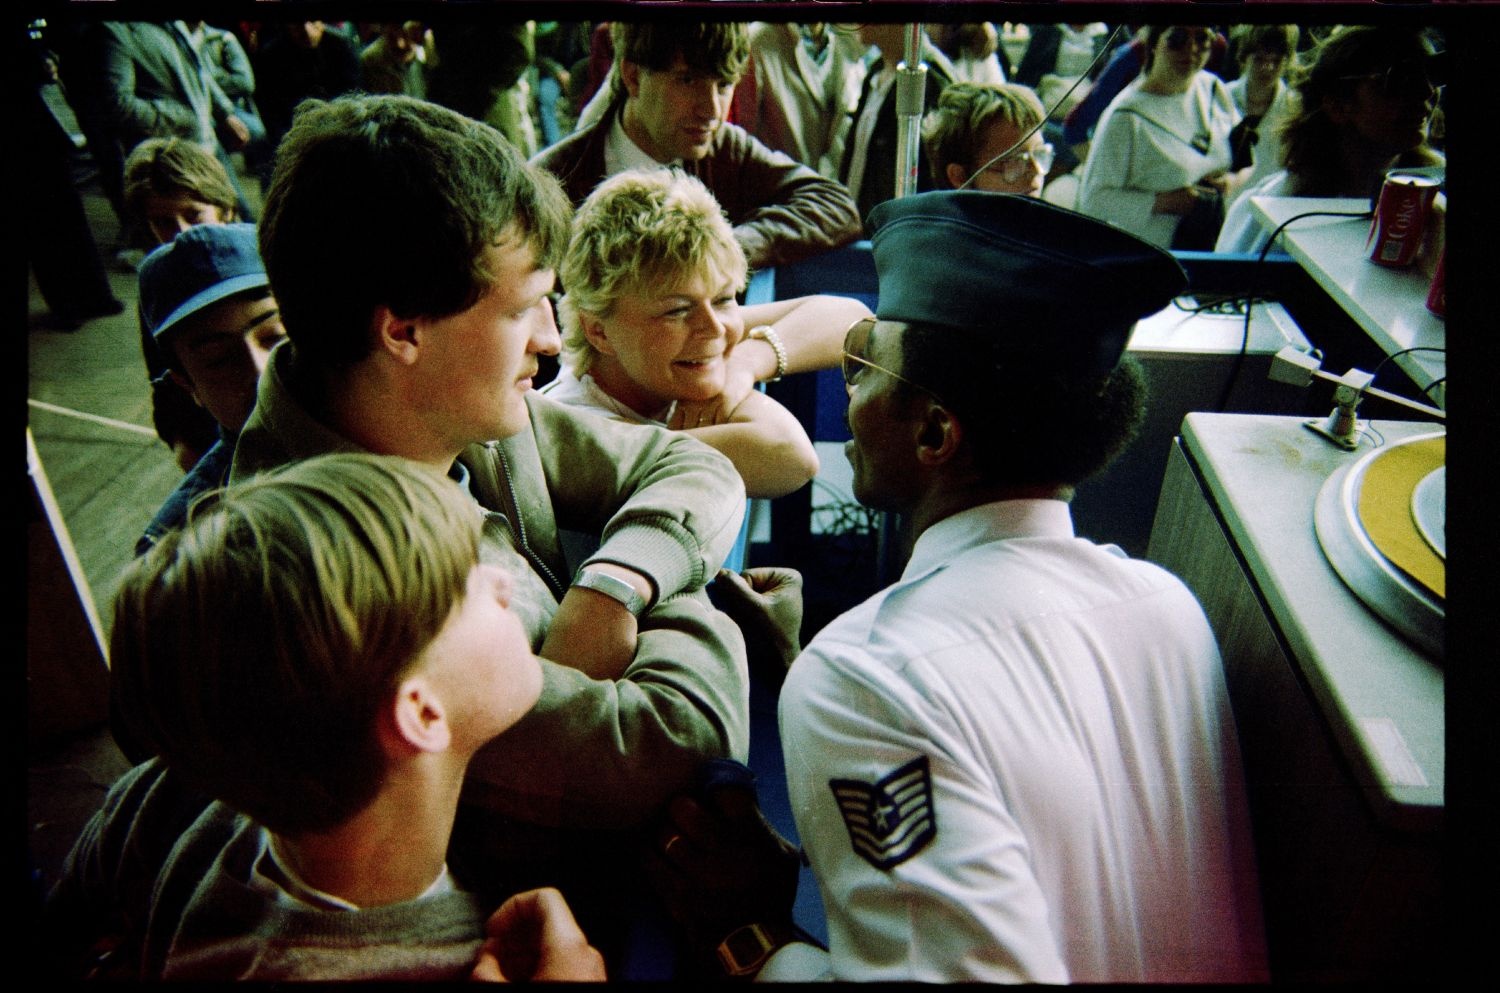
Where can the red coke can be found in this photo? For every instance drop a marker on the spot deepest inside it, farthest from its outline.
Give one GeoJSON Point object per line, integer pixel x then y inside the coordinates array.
{"type": "Point", "coordinates": [1400, 218]}
{"type": "Point", "coordinates": [1437, 295]}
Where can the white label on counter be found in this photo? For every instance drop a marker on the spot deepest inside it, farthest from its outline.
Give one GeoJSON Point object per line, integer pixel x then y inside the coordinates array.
{"type": "Point", "coordinates": [1396, 760]}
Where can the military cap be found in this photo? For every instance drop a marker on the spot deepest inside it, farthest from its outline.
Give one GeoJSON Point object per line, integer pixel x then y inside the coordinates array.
{"type": "Point", "coordinates": [1045, 285]}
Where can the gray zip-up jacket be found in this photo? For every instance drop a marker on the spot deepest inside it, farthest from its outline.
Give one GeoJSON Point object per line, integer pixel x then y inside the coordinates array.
{"type": "Point", "coordinates": [592, 753]}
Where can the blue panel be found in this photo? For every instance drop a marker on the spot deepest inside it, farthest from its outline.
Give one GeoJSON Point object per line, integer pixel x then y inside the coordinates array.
{"type": "Point", "coordinates": [832, 403]}
{"type": "Point", "coordinates": [847, 271]}
{"type": "Point", "coordinates": [761, 288]}
{"type": "Point", "coordinates": [735, 561]}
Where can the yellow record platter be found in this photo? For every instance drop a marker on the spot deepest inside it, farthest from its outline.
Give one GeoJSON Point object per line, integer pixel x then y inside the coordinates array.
{"type": "Point", "coordinates": [1381, 522]}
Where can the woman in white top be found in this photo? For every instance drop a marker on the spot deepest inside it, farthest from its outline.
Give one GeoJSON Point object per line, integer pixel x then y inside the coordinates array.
{"type": "Point", "coordinates": [1159, 163]}
{"type": "Point", "coordinates": [1264, 52]}
{"type": "Point", "coordinates": [652, 331]}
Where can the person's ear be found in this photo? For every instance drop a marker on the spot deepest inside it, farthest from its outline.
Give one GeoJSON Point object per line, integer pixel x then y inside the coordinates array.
{"type": "Point", "coordinates": [594, 333]}
{"type": "Point", "coordinates": [630, 77]}
{"type": "Point", "coordinates": [183, 381]}
{"type": "Point", "coordinates": [419, 717]}
{"type": "Point", "coordinates": [939, 435]}
{"type": "Point", "coordinates": [957, 175]}
{"type": "Point", "coordinates": [394, 336]}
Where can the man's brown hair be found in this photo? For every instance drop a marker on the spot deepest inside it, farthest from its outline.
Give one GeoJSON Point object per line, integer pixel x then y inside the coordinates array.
{"type": "Point", "coordinates": [720, 51]}
{"type": "Point", "coordinates": [392, 200]}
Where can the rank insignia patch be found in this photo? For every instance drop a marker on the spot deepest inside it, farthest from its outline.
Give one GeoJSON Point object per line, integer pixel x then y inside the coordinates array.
{"type": "Point", "coordinates": [889, 820]}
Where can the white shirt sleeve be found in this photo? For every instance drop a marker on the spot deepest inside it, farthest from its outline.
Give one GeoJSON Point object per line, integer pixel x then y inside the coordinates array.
{"type": "Point", "coordinates": [924, 875]}
{"type": "Point", "coordinates": [1108, 189]}
{"type": "Point", "coordinates": [795, 963]}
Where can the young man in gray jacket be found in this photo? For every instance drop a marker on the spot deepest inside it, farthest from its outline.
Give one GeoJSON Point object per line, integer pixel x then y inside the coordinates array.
{"type": "Point", "coordinates": [411, 251]}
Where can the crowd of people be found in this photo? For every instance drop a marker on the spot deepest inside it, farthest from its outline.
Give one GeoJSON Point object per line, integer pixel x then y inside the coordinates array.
{"type": "Point", "coordinates": [430, 657]}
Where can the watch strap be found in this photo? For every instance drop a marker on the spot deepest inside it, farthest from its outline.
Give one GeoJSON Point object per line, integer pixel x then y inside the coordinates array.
{"type": "Point", "coordinates": [746, 949]}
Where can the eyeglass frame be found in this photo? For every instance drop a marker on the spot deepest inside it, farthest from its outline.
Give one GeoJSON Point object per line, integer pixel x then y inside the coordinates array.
{"type": "Point", "coordinates": [851, 375]}
{"type": "Point", "coordinates": [1006, 167]}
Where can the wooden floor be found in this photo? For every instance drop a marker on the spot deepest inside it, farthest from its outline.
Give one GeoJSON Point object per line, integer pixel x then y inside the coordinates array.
{"type": "Point", "coordinates": [89, 413]}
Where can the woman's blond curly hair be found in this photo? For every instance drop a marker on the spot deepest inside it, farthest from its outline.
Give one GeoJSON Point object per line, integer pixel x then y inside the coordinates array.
{"type": "Point", "coordinates": [640, 229]}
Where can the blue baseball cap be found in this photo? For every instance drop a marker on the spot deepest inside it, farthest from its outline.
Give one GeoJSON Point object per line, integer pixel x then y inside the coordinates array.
{"type": "Point", "coordinates": [201, 266]}
{"type": "Point", "coordinates": [1046, 286]}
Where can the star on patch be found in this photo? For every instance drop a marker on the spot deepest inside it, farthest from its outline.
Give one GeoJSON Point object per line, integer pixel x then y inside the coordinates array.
{"type": "Point", "coordinates": [891, 819]}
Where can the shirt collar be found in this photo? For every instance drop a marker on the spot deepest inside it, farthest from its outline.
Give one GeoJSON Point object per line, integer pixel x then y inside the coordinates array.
{"type": "Point", "coordinates": [459, 473]}
{"type": "Point", "coordinates": [597, 394]}
{"type": "Point", "coordinates": [274, 876]}
{"type": "Point", "coordinates": [988, 522]}
{"type": "Point", "coordinates": [284, 404]}
{"type": "Point", "coordinates": [622, 153]}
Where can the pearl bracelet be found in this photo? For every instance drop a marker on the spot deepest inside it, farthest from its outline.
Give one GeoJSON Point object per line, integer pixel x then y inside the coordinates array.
{"type": "Point", "coordinates": [767, 334]}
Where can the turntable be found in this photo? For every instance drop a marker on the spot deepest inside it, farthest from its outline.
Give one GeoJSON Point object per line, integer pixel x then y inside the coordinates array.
{"type": "Point", "coordinates": [1381, 521]}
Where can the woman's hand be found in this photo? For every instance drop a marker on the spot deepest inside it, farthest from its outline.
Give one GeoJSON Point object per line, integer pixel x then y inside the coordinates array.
{"type": "Point", "coordinates": [1218, 180]}
{"type": "Point", "coordinates": [704, 413]}
{"type": "Point", "coordinates": [739, 383]}
{"type": "Point", "coordinates": [1227, 183]}
{"type": "Point", "coordinates": [237, 134]}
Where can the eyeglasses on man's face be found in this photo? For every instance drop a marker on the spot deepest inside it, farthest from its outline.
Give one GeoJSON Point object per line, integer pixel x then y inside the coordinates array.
{"type": "Point", "coordinates": [856, 341]}
{"type": "Point", "coordinates": [1014, 167]}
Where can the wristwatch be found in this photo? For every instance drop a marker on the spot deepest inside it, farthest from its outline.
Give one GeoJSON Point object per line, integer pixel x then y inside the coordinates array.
{"type": "Point", "coordinates": [747, 948]}
{"type": "Point", "coordinates": [613, 587]}
{"type": "Point", "coordinates": [767, 334]}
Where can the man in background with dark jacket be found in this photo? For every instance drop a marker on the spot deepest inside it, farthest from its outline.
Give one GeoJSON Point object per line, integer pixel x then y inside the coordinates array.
{"type": "Point", "coordinates": [672, 86]}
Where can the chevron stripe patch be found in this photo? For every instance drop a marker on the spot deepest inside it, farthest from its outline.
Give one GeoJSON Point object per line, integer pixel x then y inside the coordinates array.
{"type": "Point", "coordinates": [889, 820]}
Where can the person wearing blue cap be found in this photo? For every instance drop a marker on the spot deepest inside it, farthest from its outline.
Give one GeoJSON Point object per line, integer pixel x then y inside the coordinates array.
{"type": "Point", "coordinates": [1018, 763]}
{"type": "Point", "coordinates": [207, 303]}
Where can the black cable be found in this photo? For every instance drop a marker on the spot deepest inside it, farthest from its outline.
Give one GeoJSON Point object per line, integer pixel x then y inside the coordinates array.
{"type": "Point", "coordinates": [1250, 299]}
{"type": "Point", "coordinates": [840, 516]}
{"type": "Point", "coordinates": [1232, 305]}
{"type": "Point", "coordinates": [1406, 351]}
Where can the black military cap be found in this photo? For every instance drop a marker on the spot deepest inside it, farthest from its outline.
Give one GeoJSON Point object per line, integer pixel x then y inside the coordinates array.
{"type": "Point", "coordinates": [1046, 285]}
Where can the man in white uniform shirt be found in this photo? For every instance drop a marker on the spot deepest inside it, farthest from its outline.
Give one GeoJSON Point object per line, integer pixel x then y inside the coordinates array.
{"type": "Point", "coordinates": [1018, 763]}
